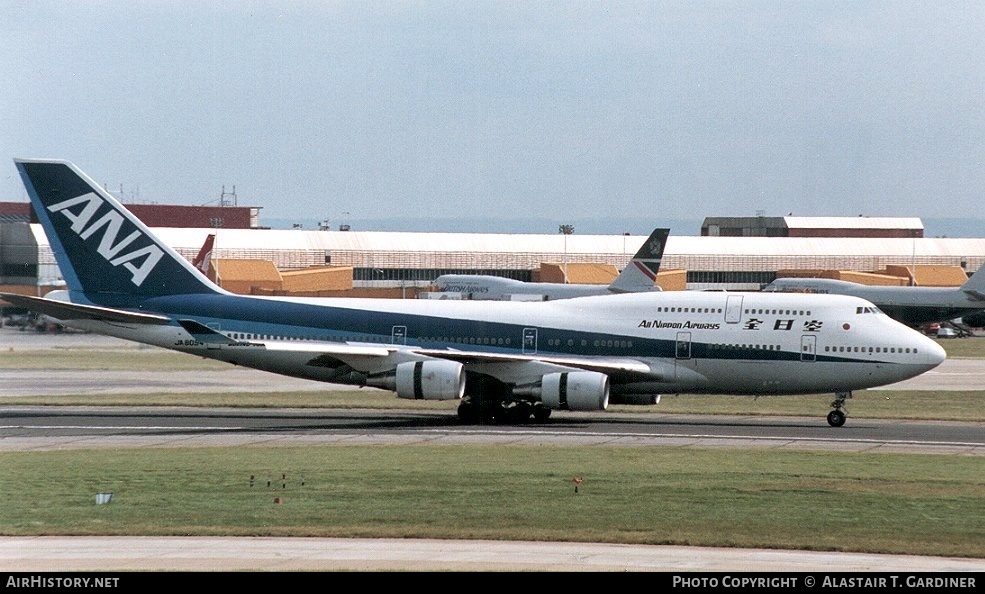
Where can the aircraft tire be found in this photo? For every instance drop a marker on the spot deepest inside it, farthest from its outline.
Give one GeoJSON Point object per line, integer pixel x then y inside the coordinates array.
{"type": "Point", "coordinates": [836, 418]}
{"type": "Point", "coordinates": [519, 413]}
{"type": "Point", "coordinates": [468, 412]}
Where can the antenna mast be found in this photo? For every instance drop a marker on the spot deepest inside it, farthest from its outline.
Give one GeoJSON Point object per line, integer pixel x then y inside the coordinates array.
{"type": "Point", "coordinates": [227, 198]}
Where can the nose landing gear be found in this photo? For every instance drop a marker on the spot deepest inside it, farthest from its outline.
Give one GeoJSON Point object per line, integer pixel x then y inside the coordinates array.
{"type": "Point", "coordinates": [836, 418]}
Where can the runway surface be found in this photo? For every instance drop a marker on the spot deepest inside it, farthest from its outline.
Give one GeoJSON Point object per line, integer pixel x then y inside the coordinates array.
{"type": "Point", "coordinates": [360, 554]}
{"type": "Point", "coordinates": [36, 428]}
{"type": "Point", "coordinates": [39, 428]}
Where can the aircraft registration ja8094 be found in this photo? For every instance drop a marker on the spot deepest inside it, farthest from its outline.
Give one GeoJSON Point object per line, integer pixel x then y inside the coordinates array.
{"type": "Point", "coordinates": [505, 361]}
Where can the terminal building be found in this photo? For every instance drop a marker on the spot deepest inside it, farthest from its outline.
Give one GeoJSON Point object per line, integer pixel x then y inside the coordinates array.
{"type": "Point", "coordinates": [732, 253]}
{"type": "Point", "coordinates": [791, 226]}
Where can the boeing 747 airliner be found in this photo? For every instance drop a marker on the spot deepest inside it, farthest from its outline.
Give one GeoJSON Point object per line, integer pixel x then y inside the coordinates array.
{"type": "Point", "coordinates": [504, 361]}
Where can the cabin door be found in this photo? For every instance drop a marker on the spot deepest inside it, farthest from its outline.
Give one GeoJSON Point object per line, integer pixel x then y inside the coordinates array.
{"type": "Point", "coordinates": [733, 309]}
{"type": "Point", "coordinates": [529, 341]}
{"type": "Point", "coordinates": [808, 347]}
{"type": "Point", "coordinates": [682, 351]}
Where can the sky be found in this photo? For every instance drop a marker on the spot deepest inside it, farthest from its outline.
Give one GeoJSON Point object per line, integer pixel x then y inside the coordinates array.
{"type": "Point", "coordinates": [484, 115]}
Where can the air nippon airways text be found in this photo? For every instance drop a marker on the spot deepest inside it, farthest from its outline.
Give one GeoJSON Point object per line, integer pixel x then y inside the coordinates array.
{"type": "Point", "coordinates": [140, 262]}
{"type": "Point", "coordinates": [38, 581]}
{"type": "Point", "coordinates": [687, 324]}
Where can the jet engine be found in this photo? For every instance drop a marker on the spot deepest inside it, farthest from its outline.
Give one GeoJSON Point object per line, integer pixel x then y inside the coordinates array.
{"type": "Point", "coordinates": [424, 380]}
{"type": "Point", "coordinates": [430, 380]}
{"type": "Point", "coordinates": [575, 390]}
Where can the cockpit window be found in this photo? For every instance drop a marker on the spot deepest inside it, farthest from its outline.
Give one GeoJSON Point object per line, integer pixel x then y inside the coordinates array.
{"type": "Point", "coordinates": [868, 309]}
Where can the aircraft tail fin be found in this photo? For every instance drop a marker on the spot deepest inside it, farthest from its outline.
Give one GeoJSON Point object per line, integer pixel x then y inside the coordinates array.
{"type": "Point", "coordinates": [106, 255]}
{"type": "Point", "coordinates": [974, 287]}
{"type": "Point", "coordinates": [204, 256]}
{"type": "Point", "coordinates": [641, 272]}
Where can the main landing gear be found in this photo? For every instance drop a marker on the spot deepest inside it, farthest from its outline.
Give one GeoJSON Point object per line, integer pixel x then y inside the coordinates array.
{"type": "Point", "coordinates": [475, 411]}
{"type": "Point", "coordinates": [836, 418]}
{"type": "Point", "coordinates": [488, 401]}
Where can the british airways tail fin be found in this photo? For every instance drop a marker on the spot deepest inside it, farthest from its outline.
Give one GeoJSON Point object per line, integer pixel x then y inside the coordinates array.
{"type": "Point", "coordinates": [106, 255]}
{"type": "Point", "coordinates": [974, 287]}
{"type": "Point", "coordinates": [641, 272]}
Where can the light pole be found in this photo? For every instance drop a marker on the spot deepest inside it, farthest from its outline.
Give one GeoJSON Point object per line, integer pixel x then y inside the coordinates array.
{"type": "Point", "coordinates": [216, 222]}
{"type": "Point", "coordinates": [566, 230]}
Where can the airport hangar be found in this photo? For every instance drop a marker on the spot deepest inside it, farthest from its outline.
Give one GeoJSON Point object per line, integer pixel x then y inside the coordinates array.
{"type": "Point", "coordinates": [732, 253]}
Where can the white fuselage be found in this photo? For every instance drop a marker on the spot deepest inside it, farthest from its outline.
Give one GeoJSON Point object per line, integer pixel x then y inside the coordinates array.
{"type": "Point", "coordinates": [744, 343]}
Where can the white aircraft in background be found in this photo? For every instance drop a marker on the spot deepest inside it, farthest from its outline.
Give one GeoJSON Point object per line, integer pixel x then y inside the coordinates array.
{"type": "Point", "coordinates": [504, 362]}
{"type": "Point", "coordinates": [912, 306]}
{"type": "Point", "coordinates": [640, 275]}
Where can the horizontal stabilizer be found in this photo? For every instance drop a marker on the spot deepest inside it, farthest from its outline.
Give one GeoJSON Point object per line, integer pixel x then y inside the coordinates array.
{"type": "Point", "coordinates": [64, 310]}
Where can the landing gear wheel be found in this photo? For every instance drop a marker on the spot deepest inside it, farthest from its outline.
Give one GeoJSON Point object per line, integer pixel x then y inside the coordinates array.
{"type": "Point", "coordinates": [541, 413]}
{"type": "Point", "coordinates": [468, 412]}
{"type": "Point", "coordinates": [519, 413]}
{"type": "Point", "coordinates": [491, 413]}
{"type": "Point", "coordinates": [836, 418]}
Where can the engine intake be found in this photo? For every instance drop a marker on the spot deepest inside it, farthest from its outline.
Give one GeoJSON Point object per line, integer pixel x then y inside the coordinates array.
{"type": "Point", "coordinates": [575, 390]}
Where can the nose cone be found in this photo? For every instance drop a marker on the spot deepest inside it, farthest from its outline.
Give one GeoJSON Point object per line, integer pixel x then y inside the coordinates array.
{"type": "Point", "coordinates": [932, 354]}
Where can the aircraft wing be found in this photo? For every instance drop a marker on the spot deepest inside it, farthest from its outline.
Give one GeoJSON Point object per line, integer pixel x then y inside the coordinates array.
{"type": "Point", "coordinates": [64, 310]}
{"type": "Point", "coordinates": [339, 350]}
{"type": "Point", "coordinates": [602, 365]}
{"type": "Point", "coordinates": [520, 369]}
{"type": "Point", "coordinates": [510, 368]}
{"type": "Point", "coordinates": [506, 367]}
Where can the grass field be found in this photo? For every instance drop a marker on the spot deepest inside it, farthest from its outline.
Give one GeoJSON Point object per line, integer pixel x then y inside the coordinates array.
{"type": "Point", "coordinates": [865, 502]}
{"type": "Point", "coordinates": [882, 503]}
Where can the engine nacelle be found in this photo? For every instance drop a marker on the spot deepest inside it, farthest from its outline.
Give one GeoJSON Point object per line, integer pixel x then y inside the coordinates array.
{"type": "Point", "coordinates": [575, 390]}
{"type": "Point", "coordinates": [430, 380]}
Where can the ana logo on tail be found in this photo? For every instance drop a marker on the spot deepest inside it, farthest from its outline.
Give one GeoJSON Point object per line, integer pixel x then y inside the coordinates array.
{"type": "Point", "coordinates": [140, 262]}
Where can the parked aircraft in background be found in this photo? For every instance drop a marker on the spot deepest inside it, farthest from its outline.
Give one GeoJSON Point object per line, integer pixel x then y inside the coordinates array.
{"type": "Point", "coordinates": [640, 275]}
{"type": "Point", "coordinates": [914, 306]}
{"type": "Point", "coordinates": [505, 362]}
